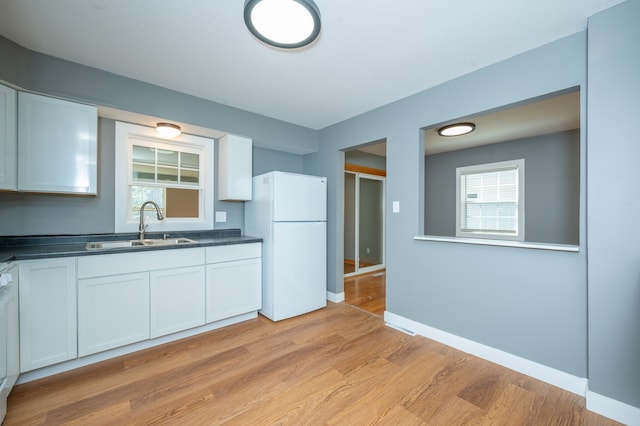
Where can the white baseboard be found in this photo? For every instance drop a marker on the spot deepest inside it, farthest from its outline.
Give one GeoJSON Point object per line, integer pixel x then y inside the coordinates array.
{"type": "Point", "coordinates": [613, 409]}
{"type": "Point", "coordinates": [335, 297]}
{"type": "Point", "coordinates": [549, 375]}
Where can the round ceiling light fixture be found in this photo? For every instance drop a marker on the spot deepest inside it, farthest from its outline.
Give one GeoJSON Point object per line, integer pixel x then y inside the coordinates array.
{"type": "Point", "coordinates": [456, 129]}
{"type": "Point", "coordinates": [168, 130]}
{"type": "Point", "coordinates": [286, 24]}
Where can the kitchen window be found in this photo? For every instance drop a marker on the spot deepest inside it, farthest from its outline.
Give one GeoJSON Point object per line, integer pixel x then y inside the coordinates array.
{"type": "Point", "coordinates": [175, 173]}
{"type": "Point", "coordinates": [490, 201]}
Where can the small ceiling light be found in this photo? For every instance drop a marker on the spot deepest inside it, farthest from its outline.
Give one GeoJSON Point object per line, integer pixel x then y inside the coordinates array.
{"type": "Point", "coordinates": [287, 24]}
{"type": "Point", "coordinates": [168, 130]}
{"type": "Point", "coordinates": [456, 129]}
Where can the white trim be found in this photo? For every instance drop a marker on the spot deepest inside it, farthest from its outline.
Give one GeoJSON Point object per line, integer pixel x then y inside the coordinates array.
{"type": "Point", "coordinates": [122, 173]}
{"type": "Point", "coordinates": [549, 375]}
{"type": "Point", "coordinates": [335, 297]}
{"type": "Point", "coordinates": [501, 243]}
{"type": "Point", "coordinates": [382, 265]}
{"type": "Point", "coordinates": [613, 409]}
{"type": "Point", "coordinates": [145, 344]}
{"type": "Point", "coordinates": [517, 165]}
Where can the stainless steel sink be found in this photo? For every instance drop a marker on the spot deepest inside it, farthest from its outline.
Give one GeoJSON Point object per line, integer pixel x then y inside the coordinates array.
{"type": "Point", "coordinates": [105, 245]}
{"type": "Point", "coordinates": [99, 245]}
{"type": "Point", "coordinates": [167, 242]}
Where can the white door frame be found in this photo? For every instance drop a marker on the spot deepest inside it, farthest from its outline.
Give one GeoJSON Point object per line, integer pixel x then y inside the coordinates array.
{"type": "Point", "coordinates": [381, 265]}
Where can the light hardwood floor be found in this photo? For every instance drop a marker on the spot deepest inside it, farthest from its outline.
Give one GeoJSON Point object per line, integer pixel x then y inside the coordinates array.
{"type": "Point", "coordinates": [367, 291]}
{"type": "Point", "coordinates": [336, 366]}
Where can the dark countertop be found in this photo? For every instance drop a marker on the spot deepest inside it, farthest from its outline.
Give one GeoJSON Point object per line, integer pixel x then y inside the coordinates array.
{"type": "Point", "coordinates": [31, 247]}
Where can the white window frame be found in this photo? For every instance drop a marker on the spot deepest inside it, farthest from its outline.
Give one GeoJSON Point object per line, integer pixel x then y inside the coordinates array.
{"type": "Point", "coordinates": [126, 135]}
{"type": "Point", "coordinates": [488, 168]}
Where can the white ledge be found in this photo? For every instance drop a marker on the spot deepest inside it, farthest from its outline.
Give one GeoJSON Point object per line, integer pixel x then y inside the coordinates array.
{"type": "Point", "coordinates": [501, 243]}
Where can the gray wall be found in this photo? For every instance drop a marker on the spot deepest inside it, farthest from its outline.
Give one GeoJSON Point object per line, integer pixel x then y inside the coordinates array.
{"type": "Point", "coordinates": [277, 145]}
{"type": "Point", "coordinates": [365, 159]}
{"type": "Point", "coordinates": [530, 303]}
{"type": "Point", "coordinates": [38, 214]}
{"type": "Point", "coordinates": [268, 160]}
{"type": "Point", "coordinates": [552, 185]}
{"type": "Point", "coordinates": [371, 221]}
{"type": "Point", "coordinates": [614, 226]}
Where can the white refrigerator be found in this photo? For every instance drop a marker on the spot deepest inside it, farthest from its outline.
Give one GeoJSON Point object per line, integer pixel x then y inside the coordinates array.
{"type": "Point", "coordinates": [289, 212]}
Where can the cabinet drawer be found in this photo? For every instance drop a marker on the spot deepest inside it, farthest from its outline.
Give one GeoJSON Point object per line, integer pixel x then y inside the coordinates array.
{"type": "Point", "coordinates": [229, 253]}
{"type": "Point", "coordinates": [126, 263]}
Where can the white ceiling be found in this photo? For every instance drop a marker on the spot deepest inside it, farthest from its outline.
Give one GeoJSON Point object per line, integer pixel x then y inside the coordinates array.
{"type": "Point", "coordinates": [370, 52]}
{"type": "Point", "coordinates": [535, 118]}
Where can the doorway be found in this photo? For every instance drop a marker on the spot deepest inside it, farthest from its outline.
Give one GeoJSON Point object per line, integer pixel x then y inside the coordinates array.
{"type": "Point", "coordinates": [364, 227]}
{"type": "Point", "coordinates": [364, 223]}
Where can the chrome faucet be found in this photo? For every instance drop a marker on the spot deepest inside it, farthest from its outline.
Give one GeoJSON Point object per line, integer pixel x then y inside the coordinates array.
{"type": "Point", "coordinates": [142, 227]}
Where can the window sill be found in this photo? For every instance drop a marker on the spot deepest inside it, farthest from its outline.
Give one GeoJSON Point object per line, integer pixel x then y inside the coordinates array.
{"type": "Point", "coordinates": [501, 243]}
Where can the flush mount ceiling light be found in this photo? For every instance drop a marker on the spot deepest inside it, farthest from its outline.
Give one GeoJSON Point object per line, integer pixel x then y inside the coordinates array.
{"type": "Point", "coordinates": [456, 129]}
{"type": "Point", "coordinates": [168, 130]}
{"type": "Point", "coordinates": [287, 24]}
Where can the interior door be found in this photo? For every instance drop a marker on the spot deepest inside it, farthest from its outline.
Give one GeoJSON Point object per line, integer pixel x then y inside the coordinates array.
{"type": "Point", "coordinates": [364, 223]}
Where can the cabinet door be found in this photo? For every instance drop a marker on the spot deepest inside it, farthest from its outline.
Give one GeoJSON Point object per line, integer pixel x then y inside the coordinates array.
{"type": "Point", "coordinates": [177, 300]}
{"type": "Point", "coordinates": [57, 145]}
{"type": "Point", "coordinates": [47, 292]}
{"type": "Point", "coordinates": [8, 139]}
{"type": "Point", "coordinates": [233, 288]}
{"type": "Point", "coordinates": [113, 311]}
{"type": "Point", "coordinates": [234, 168]}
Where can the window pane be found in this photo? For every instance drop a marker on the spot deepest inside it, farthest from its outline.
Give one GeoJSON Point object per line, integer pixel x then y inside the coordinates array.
{"type": "Point", "coordinates": [166, 174]}
{"type": "Point", "coordinates": [489, 194]}
{"type": "Point", "coordinates": [189, 177]}
{"type": "Point", "coordinates": [140, 194]}
{"type": "Point", "coordinates": [191, 161]}
{"type": "Point", "coordinates": [167, 158]}
{"type": "Point", "coordinates": [489, 200]}
{"type": "Point", "coordinates": [144, 173]}
{"type": "Point", "coordinates": [489, 178]}
{"type": "Point", "coordinates": [143, 154]}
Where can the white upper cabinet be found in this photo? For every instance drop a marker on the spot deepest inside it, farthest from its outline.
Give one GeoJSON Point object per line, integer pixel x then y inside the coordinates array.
{"type": "Point", "coordinates": [234, 168]}
{"type": "Point", "coordinates": [8, 138]}
{"type": "Point", "coordinates": [57, 145]}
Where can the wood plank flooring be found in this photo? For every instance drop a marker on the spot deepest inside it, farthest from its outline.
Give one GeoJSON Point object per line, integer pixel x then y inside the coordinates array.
{"type": "Point", "coordinates": [367, 291]}
{"type": "Point", "coordinates": [336, 366]}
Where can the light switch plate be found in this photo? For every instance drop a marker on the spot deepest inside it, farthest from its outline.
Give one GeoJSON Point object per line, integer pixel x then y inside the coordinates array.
{"type": "Point", "coordinates": [221, 216]}
{"type": "Point", "coordinates": [396, 206]}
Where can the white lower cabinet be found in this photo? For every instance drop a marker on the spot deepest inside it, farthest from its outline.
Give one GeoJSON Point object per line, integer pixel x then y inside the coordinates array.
{"type": "Point", "coordinates": [126, 298]}
{"type": "Point", "coordinates": [71, 307]}
{"type": "Point", "coordinates": [113, 311]}
{"type": "Point", "coordinates": [47, 293]}
{"type": "Point", "coordinates": [177, 300]}
{"type": "Point", "coordinates": [234, 287]}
